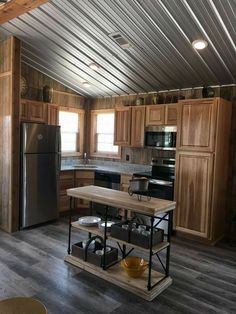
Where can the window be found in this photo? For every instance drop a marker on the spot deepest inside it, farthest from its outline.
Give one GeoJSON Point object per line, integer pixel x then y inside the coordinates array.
{"type": "Point", "coordinates": [70, 121]}
{"type": "Point", "coordinates": [102, 136]}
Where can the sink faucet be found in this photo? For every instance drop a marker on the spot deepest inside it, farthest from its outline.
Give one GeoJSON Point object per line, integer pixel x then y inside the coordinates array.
{"type": "Point", "coordinates": [85, 161]}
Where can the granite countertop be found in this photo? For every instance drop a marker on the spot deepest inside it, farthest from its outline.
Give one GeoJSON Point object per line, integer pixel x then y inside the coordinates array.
{"type": "Point", "coordinates": [108, 168]}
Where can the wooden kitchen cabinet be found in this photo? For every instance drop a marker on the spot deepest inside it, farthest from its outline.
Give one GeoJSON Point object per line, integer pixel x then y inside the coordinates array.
{"type": "Point", "coordinates": [129, 126]}
{"type": "Point", "coordinates": [137, 126]}
{"type": "Point", "coordinates": [197, 124]}
{"type": "Point", "coordinates": [66, 182]}
{"type": "Point", "coordinates": [161, 114]}
{"type": "Point", "coordinates": [194, 190]}
{"type": "Point", "coordinates": [53, 114]}
{"type": "Point", "coordinates": [171, 114]}
{"type": "Point", "coordinates": [122, 126]}
{"type": "Point", "coordinates": [83, 178]}
{"type": "Point", "coordinates": [33, 111]}
{"type": "Point", "coordinates": [124, 185]}
{"type": "Point", "coordinates": [124, 182]}
{"type": "Point", "coordinates": [70, 179]}
{"type": "Point", "coordinates": [202, 159]}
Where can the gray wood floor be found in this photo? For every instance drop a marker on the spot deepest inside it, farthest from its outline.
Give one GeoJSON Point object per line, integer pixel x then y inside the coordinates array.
{"type": "Point", "coordinates": [31, 264]}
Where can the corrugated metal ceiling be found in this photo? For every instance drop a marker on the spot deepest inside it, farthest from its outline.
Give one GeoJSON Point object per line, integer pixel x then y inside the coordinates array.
{"type": "Point", "coordinates": [61, 38]}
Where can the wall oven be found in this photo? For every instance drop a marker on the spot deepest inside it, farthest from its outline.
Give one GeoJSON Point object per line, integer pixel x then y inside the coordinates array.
{"type": "Point", "coordinates": [161, 137]}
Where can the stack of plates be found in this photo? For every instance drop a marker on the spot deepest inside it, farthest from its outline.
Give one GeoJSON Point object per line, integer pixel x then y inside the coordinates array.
{"type": "Point", "coordinates": [89, 221]}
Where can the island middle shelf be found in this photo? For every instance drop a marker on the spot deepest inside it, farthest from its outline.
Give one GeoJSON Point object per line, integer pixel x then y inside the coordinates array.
{"type": "Point", "coordinates": [97, 231]}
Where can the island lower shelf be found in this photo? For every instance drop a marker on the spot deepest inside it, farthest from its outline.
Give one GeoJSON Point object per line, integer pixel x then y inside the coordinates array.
{"type": "Point", "coordinates": [117, 276]}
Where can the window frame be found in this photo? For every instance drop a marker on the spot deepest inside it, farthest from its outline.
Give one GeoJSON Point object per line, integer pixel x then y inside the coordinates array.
{"type": "Point", "coordinates": [80, 133]}
{"type": "Point", "coordinates": [93, 135]}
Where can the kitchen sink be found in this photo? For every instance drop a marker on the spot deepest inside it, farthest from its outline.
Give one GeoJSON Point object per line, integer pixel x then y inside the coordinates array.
{"type": "Point", "coordinates": [85, 166]}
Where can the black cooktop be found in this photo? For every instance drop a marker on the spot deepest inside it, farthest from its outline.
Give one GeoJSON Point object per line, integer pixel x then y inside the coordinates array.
{"type": "Point", "coordinates": [160, 176]}
{"type": "Point", "coordinates": [147, 174]}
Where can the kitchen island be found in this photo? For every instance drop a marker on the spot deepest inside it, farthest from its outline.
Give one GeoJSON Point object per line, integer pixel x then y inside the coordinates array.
{"type": "Point", "coordinates": [152, 282]}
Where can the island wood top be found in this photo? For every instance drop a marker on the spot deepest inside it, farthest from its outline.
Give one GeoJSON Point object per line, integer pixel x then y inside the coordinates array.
{"type": "Point", "coordinates": [122, 200]}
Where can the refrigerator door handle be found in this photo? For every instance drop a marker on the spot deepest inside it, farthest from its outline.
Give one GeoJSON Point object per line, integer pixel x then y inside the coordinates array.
{"type": "Point", "coordinates": [59, 165]}
{"type": "Point", "coordinates": [59, 140]}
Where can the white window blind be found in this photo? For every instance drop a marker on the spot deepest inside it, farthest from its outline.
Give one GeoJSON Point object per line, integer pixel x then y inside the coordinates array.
{"type": "Point", "coordinates": [105, 133]}
{"type": "Point", "coordinates": [69, 122]}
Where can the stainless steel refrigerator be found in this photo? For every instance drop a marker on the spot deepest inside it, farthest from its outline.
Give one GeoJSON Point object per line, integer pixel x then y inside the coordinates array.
{"type": "Point", "coordinates": [40, 170]}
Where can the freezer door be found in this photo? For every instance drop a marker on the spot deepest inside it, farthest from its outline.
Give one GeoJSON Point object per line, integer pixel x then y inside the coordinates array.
{"type": "Point", "coordinates": [39, 197]}
{"type": "Point", "coordinates": [40, 138]}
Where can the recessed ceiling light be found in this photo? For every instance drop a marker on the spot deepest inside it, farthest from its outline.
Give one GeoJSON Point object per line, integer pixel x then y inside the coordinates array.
{"type": "Point", "coordinates": [199, 44]}
{"type": "Point", "coordinates": [94, 66]}
{"type": "Point", "coordinates": [86, 84]}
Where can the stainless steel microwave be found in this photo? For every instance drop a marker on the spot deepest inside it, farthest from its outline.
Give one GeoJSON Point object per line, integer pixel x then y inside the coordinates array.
{"type": "Point", "coordinates": [161, 137]}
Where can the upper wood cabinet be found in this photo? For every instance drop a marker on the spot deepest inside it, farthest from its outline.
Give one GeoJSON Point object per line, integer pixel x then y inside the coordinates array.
{"type": "Point", "coordinates": [33, 111]}
{"type": "Point", "coordinates": [197, 125]}
{"type": "Point", "coordinates": [129, 126]}
{"type": "Point", "coordinates": [161, 114]}
{"type": "Point", "coordinates": [171, 114]}
{"type": "Point", "coordinates": [193, 192]}
{"type": "Point", "coordinates": [53, 114]}
{"type": "Point", "coordinates": [122, 126]}
{"type": "Point", "coordinates": [137, 126]}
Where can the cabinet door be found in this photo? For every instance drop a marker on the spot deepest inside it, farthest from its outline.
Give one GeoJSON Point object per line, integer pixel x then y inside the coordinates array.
{"type": "Point", "coordinates": [37, 111]}
{"type": "Point", "coordinates": [124, 185]}
{"type": "Point", "coordinates": [53, 113]}
{"type": "Point", "coordinates": [23, 110]}
{"type": "Point", "coordinates": [155, 115]}
{"type": "Point", "coordinates": [66, 182]}
{"type": "Point", "coordinates": [137, 126]}
{"type": "Point", "coordinates": [83, 178]}
{"type": "Point", "coordinates": [197, 125]}
{"type": "Point", "coordinates": [124, 182]}
{"type": "Point", "coordinates": [171, 114]}
{"type": "Point", "coordinates": [193, 191]}
{"type": "Point", "coordinates": [122, 126]}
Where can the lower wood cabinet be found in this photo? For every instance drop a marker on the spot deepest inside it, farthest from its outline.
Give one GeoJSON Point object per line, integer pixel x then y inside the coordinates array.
{"type": "Point", "coordinates": [83, 178]}
{"type": "Point", "coordinates": [72, 179]}
{"type": "Point", "coordinates": [66, 182]}
{"type": "Point", "coordinates": [124, 182]}
{"type": "Point", "coordinates": [124, 185]}
{"type": "Point", "coordinates": [193, 193]}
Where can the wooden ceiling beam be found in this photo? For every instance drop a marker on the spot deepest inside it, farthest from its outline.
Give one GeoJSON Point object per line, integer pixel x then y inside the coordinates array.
{"type": "Point", "coordinates": [14, 8]}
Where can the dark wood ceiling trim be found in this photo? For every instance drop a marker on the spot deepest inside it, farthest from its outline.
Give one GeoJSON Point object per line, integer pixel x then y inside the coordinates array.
{"type": "Point", "coordinates": [14, 8]}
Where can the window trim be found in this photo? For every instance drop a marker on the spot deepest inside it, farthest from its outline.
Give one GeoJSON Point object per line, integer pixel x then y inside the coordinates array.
{"type": "Point", "coordinates": [80, 133]}
{"type": "Point", "coordinates": [93, 136]}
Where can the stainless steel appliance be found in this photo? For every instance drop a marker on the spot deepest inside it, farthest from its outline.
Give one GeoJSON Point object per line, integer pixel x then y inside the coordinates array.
{"type": "Point", "coordinates": [110, 180]}
{"type": "Point", "coordinates": [161, 178]}
{"type": "Point", "coordinates": [161, 137]}
{"type": "Point", "coordinates": [161, 181]}
{"type": "Point", "coordinates": [40, 169]}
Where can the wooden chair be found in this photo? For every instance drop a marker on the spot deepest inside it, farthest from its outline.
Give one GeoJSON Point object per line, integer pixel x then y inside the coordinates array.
{"type": "Point", "coordinates": [22, 305]}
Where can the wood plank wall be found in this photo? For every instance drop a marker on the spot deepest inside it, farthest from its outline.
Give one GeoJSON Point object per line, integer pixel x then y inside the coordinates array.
{"type": "Point", "coordinates": [62, 95]}
{"type": "Point", "coordinates": [9, 133]}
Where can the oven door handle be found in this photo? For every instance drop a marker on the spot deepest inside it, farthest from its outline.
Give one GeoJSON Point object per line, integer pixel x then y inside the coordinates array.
{"type": "Point", "coordinates": [160, 182]}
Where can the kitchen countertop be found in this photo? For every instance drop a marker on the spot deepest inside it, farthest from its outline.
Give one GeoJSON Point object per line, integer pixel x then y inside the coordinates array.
{"type": "Point", "coordinates": [111, 168]}
{"type": "Point", "coordinates": [115, 169]}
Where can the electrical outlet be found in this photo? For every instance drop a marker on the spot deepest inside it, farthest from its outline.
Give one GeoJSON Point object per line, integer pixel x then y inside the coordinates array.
{"type": "Point", "coordinates": [127, 157]}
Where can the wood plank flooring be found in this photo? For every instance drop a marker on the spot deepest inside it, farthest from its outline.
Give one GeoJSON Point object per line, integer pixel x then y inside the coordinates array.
{"type": "Point", "coordinates": [31, 264]}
